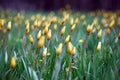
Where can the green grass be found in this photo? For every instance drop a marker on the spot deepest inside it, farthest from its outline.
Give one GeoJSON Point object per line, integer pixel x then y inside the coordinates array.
{"type": "Point", "coordinates": [92, 65]}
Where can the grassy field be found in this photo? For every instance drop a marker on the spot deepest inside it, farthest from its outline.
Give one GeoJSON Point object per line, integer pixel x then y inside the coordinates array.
{"type": "Point", "coordinates": [61, 45]}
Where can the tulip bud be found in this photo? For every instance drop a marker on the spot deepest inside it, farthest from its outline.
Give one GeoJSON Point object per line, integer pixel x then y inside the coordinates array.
{"type": "Point", "coordinates": [55, 27]}
{"type": "Point", "coordinates": [62, 31]}
{"type": "Point", "coordinates": [119, 36]}
{"type": "Point", "coordinates": [73, 51]}
{"type": "Point", "coordinates": [71, 22]}
{"type": "Point", "coordinates": [9, 26]}
{"type": "Point", "coordinates": [112, 24]}
{"type": "Point", "coordinates": [35, 23]}
{"type": "Point", "coordinates": [69, 48]}
{"type": "Point", "coordinates": [46, 30]}
{"type": "Point", "coordinates": [27, 29]}
{"type": "Point", "coordinates": [99, 34]}
{"type": "Point", "coordinates": [108, 31]}
{"type": "Point", "coordinates": [13, 62]}
{"type": "Point", "coordinates": [31, 39]}
{"type": "Point", "coordinates": [26, 22]}
{"type": "Point", "coordinates": [99, 46]}
{"type": "Point", "coordinates": [82, 17]}
{"type": "Point", "coordinates": [49, 35]}
{"type": "Point", "coordinates": [76, 21]}
{"type": "Point", "coordinates": [73, 27]}
{"type": "Point", "coordinates": [59, 49]}
{"type": "Point", "coordinates": [89, 29]}
{"type": "Point", "coordinates": [44, 54]}
{"type": "Point", "coordinates": [2, 22]}
{"type": "Point", "coordinates": [39, 35]}
{"type": "Point", "coordinates": [67, 39]}
{"type": "Point", "coordinates": [41, 41]}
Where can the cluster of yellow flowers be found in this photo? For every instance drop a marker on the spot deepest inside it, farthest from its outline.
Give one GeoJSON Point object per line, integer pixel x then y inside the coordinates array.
{"type": "Point", "coordinates": [46, 26]}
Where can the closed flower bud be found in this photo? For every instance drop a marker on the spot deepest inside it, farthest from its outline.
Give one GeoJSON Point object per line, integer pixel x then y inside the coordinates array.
{"type": "Point", "coordinates": [54, 19]}
{"type": "Point", "coordinates": [31, 39]}
{"type": "Point", "coordinates": [89, 29]}
{"type": "Point", "coordinates": [49, 35]}
{"type": "Point", "coordinates": [35, 23]}
{"type": "Point", "coordinates": [44, 54]}
{"type": "Point", "coordinates": [39, 35]}
{"type": "Point", "coordinates": [46, 30]}
{"type": "Point", "coordinates": [108, 31]}
{"type": "Point", "coordinates": [67, 39]}
{"type": "Point", "coordinates": [119, 36]}
{"type": "Point", "coordinates": [2, 22]}
{"type": "Point", "coordinates": [69, 48]}
{"type": "Point", "coordinates": [76, 21]}
{"type": "Point", "coordinates": [99, 46]}
{"type": "Point", "coordinates": [62, 31]}
{"type": "Point", "coordinates": [59, 49]}
{"type": "Point", "coordinates": [43, 18]}
{"type": "Point", "coordinates": [27, 29]}
{"type": "Point", "coordinates": [41, 41]}
{"type": "Point", "coordinates": [104, 22]}
{"type": "Point", "coordinates": [55, 27]}
{"type": "Point", "coordinates": [26, 22]}
{"type": "Point", "coordinates": [82, 17]}
{"type": "Point", "coordinates": [73, 51]}
{"type": "Point", "coordinates": [9, 26]}
{"type": "Point", "coordinates": [73, 27]}
{"type": "Point", "coordinates": [99, 34]}
{"type": "Point", "coordinates": [112, 24]}
{"type": "Point", "coordinates": [13, 62]}
{"type": "Point", "coordinates": [71, 22]}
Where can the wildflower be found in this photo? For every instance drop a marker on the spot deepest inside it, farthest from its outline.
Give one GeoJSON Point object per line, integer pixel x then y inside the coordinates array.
{"type": "Point", "coordinates": [27, 29]}
{"type": "Point", "coordinates": [49, 35]}
{"type": "Point", "coordinates": [67, 39]}
{"type": "Point", "coordinates": [99, 46]}
{"type": "Point", "coordinates": [73, 27]}
{"type": "Point", "coordinates": [44, 54]}
{"type": "Point", "coordinates": [13, 62]}
{"type": "Point", "coordinates": [55, 27]}
{"type": "Point", "coordinates": [9, 26]}
{"type": "Point", "coordinates": [111, 24]}
{"type": "Point", "coordinates": [76, 21]}
{"type": "Point", "coordinates": [69, 48]}
{"type": "Point", "coordinates": [39, 35]}
{"type": "Point", "coordinates": [89, 29]}
{"type": "Point", "coordinates": [46, 30]}
{"type": "Point", "coordinates": [73, 51]}
{"type": "Point", "coordinates": [99, 34]}
{"type": "Point", "coordinates": [59, 49]}
{"type": "Point", "coordinates": [108, 31]}
{"type": "Point", "coordinates": [62, 31]}
{"type": "Point", "coordinates": [41, 41]}
{"type": "Point", "coordinates": [31, 39]}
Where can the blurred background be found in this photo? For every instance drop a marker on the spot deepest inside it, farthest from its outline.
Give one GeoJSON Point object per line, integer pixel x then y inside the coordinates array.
{"type": "Point", "coordinates": [84, 5]}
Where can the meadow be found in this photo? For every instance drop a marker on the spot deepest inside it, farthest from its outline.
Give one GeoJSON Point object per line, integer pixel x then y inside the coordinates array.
{"type": "Point", "coordinates": [61, 45]}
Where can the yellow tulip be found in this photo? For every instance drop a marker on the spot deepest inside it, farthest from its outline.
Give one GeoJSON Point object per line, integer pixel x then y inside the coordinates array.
{"type": "Point", "coordinates": [99, 34]}
{"type": "Point", "coordinates": [67, 39]}
{"type": "Point", "coordinates": [62, 31]}
{"type": "Point", "coordinates": [41, 41]}
{"type": "Point", "coordinates": [9, 26]}
{"type": "Point", "coordinates": [59, 49]}
{"type": "Point", "coordinates": [31, 39]}
{"type": "Point", "coordinates": [13, 62]}
{"type": "Point", "coordinates": [49, 35]}
{"type": "Point", "coordinates": [99, 46]}
{"type": "Point", "coordinates": [39, 35]}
